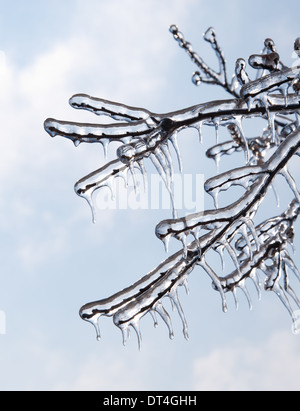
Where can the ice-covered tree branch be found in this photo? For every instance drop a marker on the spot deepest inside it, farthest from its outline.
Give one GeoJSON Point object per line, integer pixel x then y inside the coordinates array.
{"type": "Point", "coordinates": [273, 95]}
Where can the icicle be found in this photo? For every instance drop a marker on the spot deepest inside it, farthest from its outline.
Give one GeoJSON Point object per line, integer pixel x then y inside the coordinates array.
{"type": "Point", "coordinates": [135, 324]}
{"type": "Point", "coordinates": [186, 286]}
{"type": "Point", "coordinates": [244, 233]}
{"type": "Point", "coordinates": [217, 162]}
{"type": "Point", "coordinates": [290, 263]}
{"type": "Point", "coordinates": [132, 172]}
{"type": "Point", "coordinates": [165, 168]}
{"type": "Point", "coordinates": [173, 140]}
{"type": "Point", "coordinates": [166, 318]}
{"type": "Point", "coordinates": [291, 243]}
{"type": "Point", "coordinates": [172, 304]}
{"type": "Point", "coordinates": [88, 198]}
{"type": "Point", "coordinates": [159, 169]}
{"type": "Point", "coordinates": [287, 286]}
{"type": "Point", "coordinates": [105, 143]}
{"type": "Point", "coordinates": [124, 175]}
{"type": "Point", "coordinates": [255, 278]}
{"type": "Point", "coordinates": [284, 89]}
{"type": "Point", "coordinates": [199, 129]}
{"type": "Point", "coordinates": [125, 333]}
{"type": "Point", "coordinates": [271, 119]}
{"type": "Point", "coordinates": [195, 233]}
{"type": "Point", "coordinates": [236, 301]}
{"type": "Point", "coordinates": [220, 251]}
{"type": "Point", "coordinates": [216, 282]}
{"type": "Point", "coordinates": [165, 179]}
{"type": "Point", "coordinates": [250, 225]}
{"type": "Point", "coordinates": [166, 241]}
{"type": "Point", "coordinates": [291, 182]}
{"type": "Point", "coordinates": [281, 294]}
{"type": "Point", "coordinates": [94, 321]}
{"type": "Point", "coordinates": [215, 196]}
{"type": "Point", "coordinates": [169, 161]}
{"type": "Point", "coordinates": [182, 237]}
{"type": "Point", "coordinates": [238, 123]}
{"type": "Point", "coordinates": [242, 286]}
{"type": "Point", "coordinates": [232, 254]}
{"type": "Point", "coordinates": [108, 184]}
{"type": "Point", "coordinates": [153, 315]}
{"type": "Point", "coordinates": [292, 294]}
{"type": "Point", "coordinates": [174, 298]}
{"type": "Point", "coordinates": [144, 174]}
{"type": "Point", "coordinates": [276, 195]}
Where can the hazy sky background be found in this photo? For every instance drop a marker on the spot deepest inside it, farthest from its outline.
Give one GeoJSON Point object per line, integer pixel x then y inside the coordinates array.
{"type": "Point", "coordinates": [53, 259]}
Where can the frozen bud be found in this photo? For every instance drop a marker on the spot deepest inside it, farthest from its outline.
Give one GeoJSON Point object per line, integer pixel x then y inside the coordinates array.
{"type": "Point", "coordinates": [297, 46]}
{"type": "Point", "coordinates": [126, 153]}
{"type": "Point", "coordinates": [210, 35]}
{"type": "Point", "coordinates": [288, 129]}
{"type": "Point", "coordinates": [173, 29]}
{"type": "Point", "coordinates": [268, 61]}
{"type": "Point", "coordinates": [240, 71]}
{"type": "Point", "coordinates": [270, 45]}
{"type": "Point", "coordinates": [296, 85]}
{"type": "Point", "coordinates": [166, 124]}
{"type": "Point", "coordinates": [196, 78]}
{"type": "Point", "coordinates": [162, 230]}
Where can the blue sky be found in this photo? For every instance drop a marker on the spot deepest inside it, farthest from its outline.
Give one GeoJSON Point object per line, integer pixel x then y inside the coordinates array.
{"type": "Point", "coordinates": [53, 259]}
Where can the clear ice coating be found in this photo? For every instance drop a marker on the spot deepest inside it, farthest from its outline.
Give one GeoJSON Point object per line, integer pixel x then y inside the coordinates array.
{"type": "Point", "coordinates": [255, 249]}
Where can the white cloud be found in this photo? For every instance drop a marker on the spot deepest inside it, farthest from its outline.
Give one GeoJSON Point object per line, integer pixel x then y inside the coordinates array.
{"type": "Point", "coordinates": [107, 372]}
{"type": "Point", "coordinates": [47, 75]}
{"type": "Point", "coordinates": [270, 365]}
{"type": "Point", "coordinates": [5, 75]}
{"type": "Point", "coordinates": [34, 251]}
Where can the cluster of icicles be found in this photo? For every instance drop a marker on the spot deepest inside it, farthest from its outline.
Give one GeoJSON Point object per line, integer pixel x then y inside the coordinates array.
{"type": "Point", "coordinates": [264, 248]}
